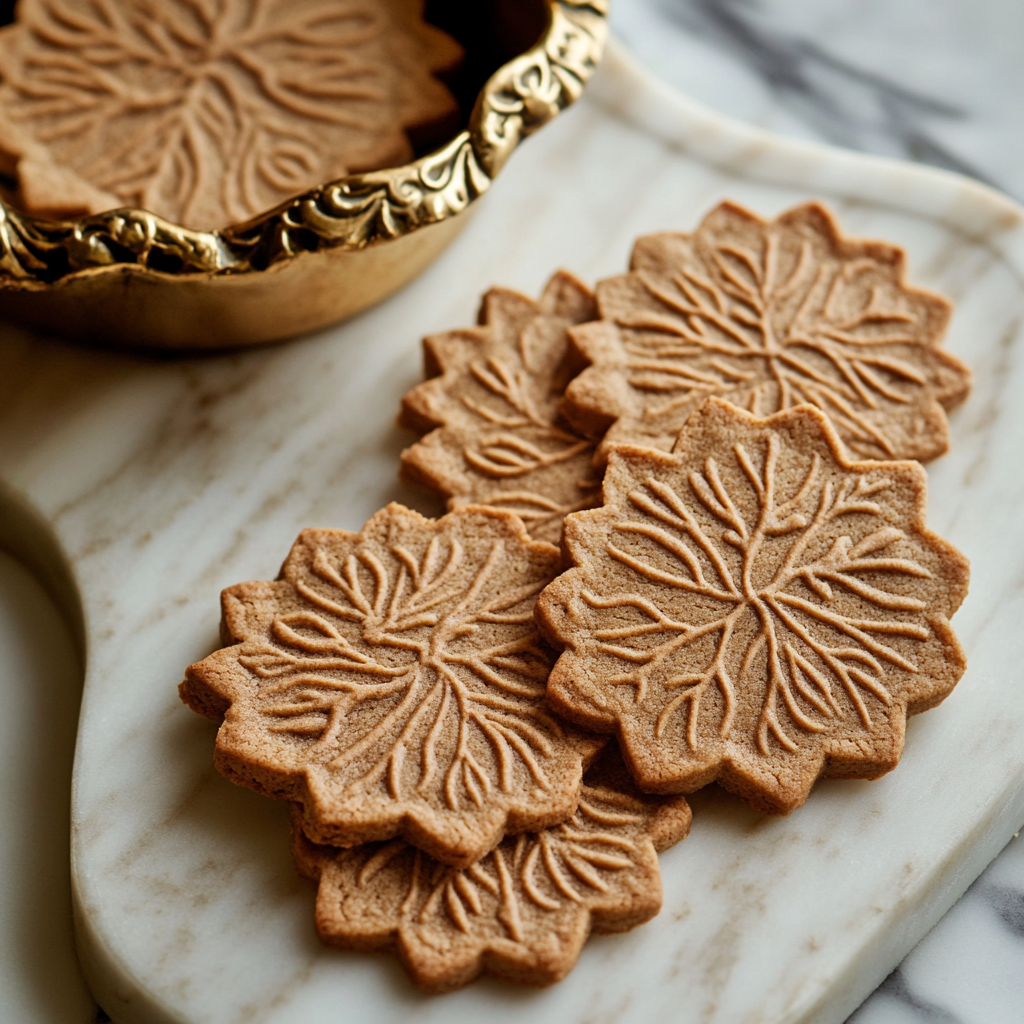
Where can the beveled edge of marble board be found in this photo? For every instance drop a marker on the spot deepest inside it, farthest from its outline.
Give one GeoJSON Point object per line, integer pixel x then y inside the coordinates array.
{"type": "Point", "coordinates": [626, 90]}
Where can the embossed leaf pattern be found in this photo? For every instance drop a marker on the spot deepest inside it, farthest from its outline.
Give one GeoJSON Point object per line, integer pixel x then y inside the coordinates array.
{"type": "Point", "coordinates": [754, 608]}
{"type": "Point", "coordinates": [524, 911]}
{"type": "Point", "coordinates": [207, 112]}
{"type": "Point", "coordinates": [394, 682]}
{"type": "Point", "coordinates": [769, 316]}
{"type": "Point", "coordinates": [492, 411]}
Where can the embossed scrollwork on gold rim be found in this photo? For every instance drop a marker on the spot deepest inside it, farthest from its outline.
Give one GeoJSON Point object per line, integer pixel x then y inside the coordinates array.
{"type": "Point", "coordinates": [355, 212]}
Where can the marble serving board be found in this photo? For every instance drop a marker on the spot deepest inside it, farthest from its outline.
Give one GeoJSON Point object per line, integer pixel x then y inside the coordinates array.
{"type": "Point", "coordinates": [141, 487]}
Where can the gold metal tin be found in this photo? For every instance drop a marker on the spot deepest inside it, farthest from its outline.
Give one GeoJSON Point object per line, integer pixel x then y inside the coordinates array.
{"type": "Point", "coordinates": [129, 278]}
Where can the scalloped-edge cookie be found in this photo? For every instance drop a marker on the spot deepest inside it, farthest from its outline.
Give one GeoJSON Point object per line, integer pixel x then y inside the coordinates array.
{"type": "Point", "coordinates": [523, 912]}
{"type": "Point", "coordinates": [393, 683]}
{"type": "Point", "coordinates": [494, 435]}
{"type": "Point", "coordinates": [208, 114]}
{"type": "Point", "coordinates": [754, 608]}
{"type": "Point", "coordinates": [768, 315]}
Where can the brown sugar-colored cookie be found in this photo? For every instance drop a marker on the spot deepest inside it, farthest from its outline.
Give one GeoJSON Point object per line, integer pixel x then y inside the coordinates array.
{"type": "Point", "coordinates": [768, 315]}
{"type": "Point", "coordinates": [393, 682]}
{"type": "Point", "coordinates": [495, 435]}
{"type": "Point", "coordinates": [522, 913]}
{"type": "Point", "coordinates": [208, 113]}
{"type": "Point", "coordinates": [754, 609]}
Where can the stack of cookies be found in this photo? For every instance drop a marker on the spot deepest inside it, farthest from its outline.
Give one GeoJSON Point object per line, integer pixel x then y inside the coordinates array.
{"type": "Point", "coordinates": [746, 594]}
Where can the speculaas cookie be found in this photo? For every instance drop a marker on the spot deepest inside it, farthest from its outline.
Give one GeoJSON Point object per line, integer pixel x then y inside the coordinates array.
{"type": "Point", "coordinates": [522, 913]}
{"type": "Point", "coordinates": [754, 608]}
{"type": "Point", "coordinates": [495, 434]}
{"type": "Point", "coordinates": [209, 113]}
{"type": "Point", "coordinates": [392, 681]}
{"type": "Point", "coordinates": [768, 315]}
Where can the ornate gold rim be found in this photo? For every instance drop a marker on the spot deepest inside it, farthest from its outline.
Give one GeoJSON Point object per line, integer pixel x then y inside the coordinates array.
{"type": "Point", "coordinates": [352, 213]}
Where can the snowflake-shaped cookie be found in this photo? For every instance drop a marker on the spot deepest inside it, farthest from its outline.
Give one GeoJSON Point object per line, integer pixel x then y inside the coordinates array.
{"type": "Point", "coordinates": [522, 913]}
{"type": "Point", "coordinates": [207, 112]}
{"type": "Point", "coordinates": [392, 681]}
{"type": "Point", "coordinates": [768, 316]}
{"type": "Point", "coordinates": [495, 434]}
{"type": "Point", "coordinates": [754, 608]}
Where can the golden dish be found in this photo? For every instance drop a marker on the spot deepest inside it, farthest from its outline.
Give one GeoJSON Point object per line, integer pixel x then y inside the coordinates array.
{"type": "Point", "coordinates": [129, 278]}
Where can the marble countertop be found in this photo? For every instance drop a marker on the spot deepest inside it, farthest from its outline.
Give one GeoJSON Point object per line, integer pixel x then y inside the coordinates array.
{"type": "Point", "coordinates": [939, 81]}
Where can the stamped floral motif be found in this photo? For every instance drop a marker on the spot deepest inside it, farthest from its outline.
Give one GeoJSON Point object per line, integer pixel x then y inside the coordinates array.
{"type": "Point", "coordinates": [495, 434]}
{"type": "Point", "coordinates": [393, 681]}
{"type": "Point", "coordinates": [769, 316]}
{"type": "Point", "coordinates": [207, 112]}
{"type": "Point", "coordinates": [524, 911]}
{"type": "Point", "coordinates": [755, 609]}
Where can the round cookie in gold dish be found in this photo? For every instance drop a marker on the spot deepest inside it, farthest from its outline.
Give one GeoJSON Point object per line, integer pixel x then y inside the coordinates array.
{"type": "Point", "coordinates": [127, 277]}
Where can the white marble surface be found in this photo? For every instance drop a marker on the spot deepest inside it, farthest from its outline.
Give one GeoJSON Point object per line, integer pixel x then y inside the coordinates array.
{"type": "Point", "coordinates": [230, 457]}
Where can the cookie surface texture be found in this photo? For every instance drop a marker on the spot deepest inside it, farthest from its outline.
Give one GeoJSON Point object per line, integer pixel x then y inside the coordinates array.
{"type": "Point", "coordinates": [495, 434]}
{"type": "Point", "coordinates": [393, 682]}
{"type": "Point", "coordinates": [753, 609]}
{"type": "Point", "coordinates": [207, 112]}
{"type": "Point", "coordinates": [769, 315]}
{"type": "Point", "coordinates": [522, 913]}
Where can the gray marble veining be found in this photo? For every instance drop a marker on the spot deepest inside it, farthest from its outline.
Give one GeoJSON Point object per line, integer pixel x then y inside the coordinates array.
{"type": "Point", "coordinates": [938, 81]}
